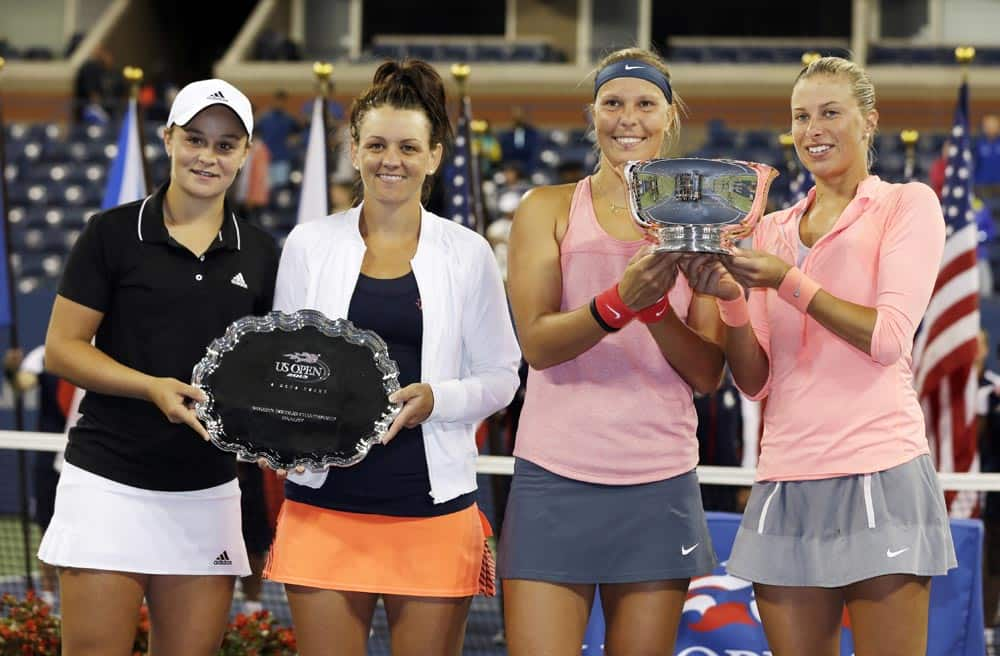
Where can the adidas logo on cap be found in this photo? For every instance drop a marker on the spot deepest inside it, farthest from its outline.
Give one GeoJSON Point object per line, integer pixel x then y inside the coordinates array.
{"type": "Point", "coordinates": [222, 559]}
{"type": "Point", "coordinates": [218, 96]}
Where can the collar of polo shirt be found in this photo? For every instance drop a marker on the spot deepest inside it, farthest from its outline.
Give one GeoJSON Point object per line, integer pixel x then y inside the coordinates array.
{"type": "Point", "coordinates": [150, 226]}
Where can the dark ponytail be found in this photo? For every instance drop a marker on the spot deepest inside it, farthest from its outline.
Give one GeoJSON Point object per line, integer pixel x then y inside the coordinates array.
{"type": "Point", "coordinates": [410, 84]}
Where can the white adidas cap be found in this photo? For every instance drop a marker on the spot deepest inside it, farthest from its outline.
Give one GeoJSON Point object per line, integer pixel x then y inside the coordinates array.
{"type": "Point", "coordinates": [204, 93]}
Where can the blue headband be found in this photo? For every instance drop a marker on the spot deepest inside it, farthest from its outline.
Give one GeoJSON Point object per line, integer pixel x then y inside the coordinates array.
{"type": "Point", "coordinates": [634, 68]}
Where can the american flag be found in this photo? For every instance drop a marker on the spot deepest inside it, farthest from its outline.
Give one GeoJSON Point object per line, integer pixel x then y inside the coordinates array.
{"type": "Point", "coordinates": [461, 175]}
{"type": "Point", "coordinates": [944, 351]}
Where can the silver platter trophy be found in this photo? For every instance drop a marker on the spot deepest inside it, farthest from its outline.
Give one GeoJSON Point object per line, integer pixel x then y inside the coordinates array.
{"type": "Point", "coordinates": [297, 389]}
{"type": "Point", "coordinates": [697, 205]}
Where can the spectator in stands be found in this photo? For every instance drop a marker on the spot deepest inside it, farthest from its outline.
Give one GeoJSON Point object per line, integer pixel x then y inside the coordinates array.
{"type": "Point", "coordinates": [486, 148]}
{"type": "Point", "coordinates": [605, 491]}
{"type": "Point", "coordinates": [273, 45]}
{"type": "Point", "coordinates": [847, 508]}
{"type": "Point", "coordinates": [74, 40]}
{"type": "Point", "coordinates": [144, 508]}
{"type": "Point", "coordinates": [569, 172]}
{"type": "Point", "coordinates": [936, 174]}
{"type": "Point", "coordinates": [986, 154]}
{"type": "Point", "coordinates": [277, 129]}
{"type": "Point", "coordinates": [252, 190]}
{"type": "Point", "coordinates": [522, 143]}
{"type": "Point", "coordinates": [986, 234]}
{"type": "Point", "coordinates": [988, 421]}
{"type": "Point", "coordinates": [403, 523]}
{"type": "Point", "coordinates": [96, 88]}
{"type": "Point", "coordinates": [341, 195]}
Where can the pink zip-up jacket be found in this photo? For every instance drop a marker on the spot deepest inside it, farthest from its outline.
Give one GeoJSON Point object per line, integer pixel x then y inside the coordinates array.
{"type": "Point", "coordinates": [831, 409]}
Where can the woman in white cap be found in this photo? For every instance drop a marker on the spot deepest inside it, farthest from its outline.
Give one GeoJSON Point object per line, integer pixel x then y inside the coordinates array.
{"type": "Point", "coordinates": [145, 507]}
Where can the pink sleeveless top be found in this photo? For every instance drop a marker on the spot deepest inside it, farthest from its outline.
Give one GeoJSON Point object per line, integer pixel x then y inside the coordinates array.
{"type": "Point", "coordinates": [617, 414]}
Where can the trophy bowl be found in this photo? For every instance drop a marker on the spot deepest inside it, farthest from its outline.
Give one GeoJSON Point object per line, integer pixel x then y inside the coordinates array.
{"type": "Point", "coordinates": [697, 205]}
{"type": "Point", "coordinates": [297, 389]}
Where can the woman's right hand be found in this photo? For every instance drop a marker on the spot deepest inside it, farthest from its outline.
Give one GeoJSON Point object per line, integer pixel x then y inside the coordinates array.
{"type": "Point", "coordinates": [176, 401]}
{"type": "Point", "coordinates": [707, 275]}
{"type": "Point", "coordinates": [648, 276]}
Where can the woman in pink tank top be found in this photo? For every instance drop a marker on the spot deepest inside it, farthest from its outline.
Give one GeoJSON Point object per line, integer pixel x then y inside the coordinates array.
{"type": "Point", "coordinates": [604, 491]}
{"type": "Point", "coordinates": [847, 509]}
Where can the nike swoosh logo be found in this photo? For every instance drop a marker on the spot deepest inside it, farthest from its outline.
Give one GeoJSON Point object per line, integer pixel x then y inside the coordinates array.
{"type": "Point", "coordinates": [889, 553]}
{"type": "Point", "coordinates": [618, 315]}
{"type": "Point", "coordinates": [686, 550]}
{"type": "Point", "coordinates": [632, 68]}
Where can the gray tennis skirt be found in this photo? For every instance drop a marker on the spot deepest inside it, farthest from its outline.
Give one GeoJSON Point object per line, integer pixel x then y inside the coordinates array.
{"type": "Point", "coordinates": [567, 531]}
{"type": "Point", "coordinates": [836, 531]}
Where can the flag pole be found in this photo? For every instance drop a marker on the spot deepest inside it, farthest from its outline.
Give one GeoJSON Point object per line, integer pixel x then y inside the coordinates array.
{"type": "Point", "coordinates": [22, 463]}
{"type": "Point", "coordinates": [460, 72]}
{"type": "Point", "coordinates": [323, 71]}
{"type": "Point", "coordinates": [909, 139]}
{"type": "Point", "coordinates": [314, 191]}
{"type": "Point", "coordinates": [133, 76]}
{"type": "Point", "coordinates": [964, 56]}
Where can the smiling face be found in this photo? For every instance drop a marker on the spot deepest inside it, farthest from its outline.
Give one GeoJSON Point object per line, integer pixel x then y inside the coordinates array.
{"type": "Point", "coordinates": [207, 153]}
{"type": "Point", "coordinates": [830, 132]}
{"type": "Point", "coordinates": [394, 154]}
{"type": "Point", "coordinates": [631, 117]}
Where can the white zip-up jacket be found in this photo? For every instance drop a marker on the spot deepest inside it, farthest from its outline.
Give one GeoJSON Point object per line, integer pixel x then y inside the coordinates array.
{"type": "Point", "coordinates": [469, 354]}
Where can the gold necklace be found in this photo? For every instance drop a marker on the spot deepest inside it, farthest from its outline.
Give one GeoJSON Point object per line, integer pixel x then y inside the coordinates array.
{"type": "Point", "coordinates": [615, 209]}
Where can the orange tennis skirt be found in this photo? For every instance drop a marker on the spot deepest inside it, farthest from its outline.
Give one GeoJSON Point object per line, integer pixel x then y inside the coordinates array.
{"type": "Point", "coordinates": [445, 556]}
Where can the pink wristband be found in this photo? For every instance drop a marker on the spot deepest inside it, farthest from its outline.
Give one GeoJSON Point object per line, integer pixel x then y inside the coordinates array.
{"type": "Point", "coordinates": [734, 313]}
{"type": "Point", "coordinates": [798, 289]}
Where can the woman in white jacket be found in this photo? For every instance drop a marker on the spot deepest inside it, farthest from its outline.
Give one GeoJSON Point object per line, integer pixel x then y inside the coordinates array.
{"type": "Point", "coordinates": [403, 523]}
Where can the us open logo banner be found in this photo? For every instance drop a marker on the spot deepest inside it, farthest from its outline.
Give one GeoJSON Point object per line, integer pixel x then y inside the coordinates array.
{"type": "Point", "coordinates": [302, 367]}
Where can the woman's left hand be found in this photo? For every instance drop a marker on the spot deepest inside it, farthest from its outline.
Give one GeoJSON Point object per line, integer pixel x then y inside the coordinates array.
{"type": "Point", "coordinates": [418, 402]}
{"type": "Point", "coordinates": [706, 275]}
{"type": "Point", "coordinates": [753, 268]}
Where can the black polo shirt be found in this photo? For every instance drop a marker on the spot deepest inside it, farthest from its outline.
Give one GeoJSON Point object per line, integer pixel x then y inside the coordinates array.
{"type": "Point", "coordinates": [162, 306]}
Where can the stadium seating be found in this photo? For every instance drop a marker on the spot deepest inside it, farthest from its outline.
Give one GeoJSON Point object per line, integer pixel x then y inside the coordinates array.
{"type": "Point", "coordinates": [55, 178]}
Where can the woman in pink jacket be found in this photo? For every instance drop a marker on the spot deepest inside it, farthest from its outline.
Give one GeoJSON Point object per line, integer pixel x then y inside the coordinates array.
{"type": "Point", "coordinates": [847, 508]}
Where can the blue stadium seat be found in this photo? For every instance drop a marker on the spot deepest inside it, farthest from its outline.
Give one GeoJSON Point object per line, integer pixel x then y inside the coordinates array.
{"type": "Point", "coordinates": [30, 153]}
{"type": "Point", "coordinates": [27, 240]}
{"type": "Point", "coordinates": [456, 52]}
{"type": "Point", "coordinates": [37, 53]}
{"type": "Point", "coordinates": [529, 52]}
{"type": "Point", "coordinates": [75, 195]}
{"type": "Point", "coordinates": [759, 139]}
{"type": "Point", "coordinates": [74, 217]}
{"type": "Point", "coordinates": [382, 51]}
{"type": "Point", "coordinates": [55, 151]}
{"type": "Point", "coordinates": [17, 192]}
{"type": "Point", "coordinates": [29, 265]}
{"type": "Point", "coordinates": [489, 53]}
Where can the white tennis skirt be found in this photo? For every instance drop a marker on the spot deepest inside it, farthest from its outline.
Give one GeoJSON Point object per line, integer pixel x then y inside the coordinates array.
{"type": "Point", "coordinates": [104, 525]}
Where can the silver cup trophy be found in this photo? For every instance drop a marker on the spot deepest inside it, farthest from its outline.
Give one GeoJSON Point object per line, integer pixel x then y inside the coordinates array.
{"type": "Point", "coordinates": [697, 205]}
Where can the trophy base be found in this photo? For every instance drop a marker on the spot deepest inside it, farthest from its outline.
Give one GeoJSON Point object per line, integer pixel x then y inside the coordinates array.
{"type": "Point", "coordinates": [692, 239]}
